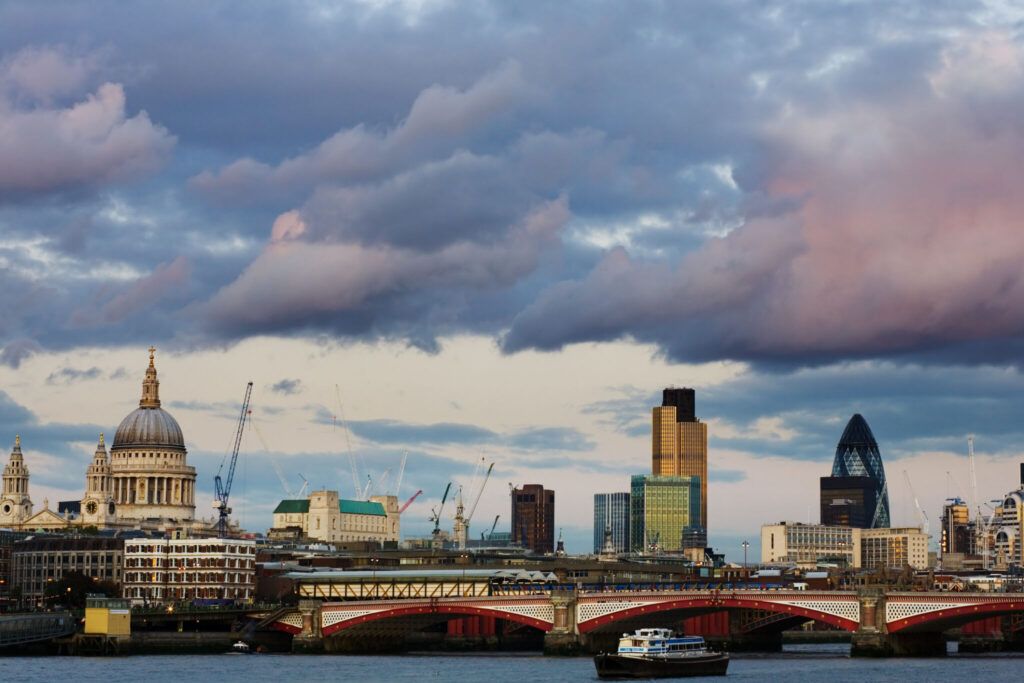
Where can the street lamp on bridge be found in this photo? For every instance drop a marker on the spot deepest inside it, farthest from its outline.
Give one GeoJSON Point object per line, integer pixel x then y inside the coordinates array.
{"type": "Point", "coordinates": [745, 544]}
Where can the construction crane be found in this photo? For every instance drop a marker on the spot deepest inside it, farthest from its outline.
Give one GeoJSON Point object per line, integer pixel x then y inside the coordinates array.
{"type": "Point", "coordinates": [305, 486]}
{"type": "Point", "coordinates": [222, 488]}
{"type": "Point", "coordinates": [359, 491]}
{"type": "Point", "coordinates": [409, 502]}
{"type": "Point", "coordinates": [922, 517]}
{"type": "Point", "coordinates": [462, 520]}
{"type": "Point", "coordinates": [401, 473]}
{"type": "Point", "coordinates": [435, 515]}
{"type": "Point", "coordinates": [273, 461]}
{"type": "Point", "coordinates": [493, 527]}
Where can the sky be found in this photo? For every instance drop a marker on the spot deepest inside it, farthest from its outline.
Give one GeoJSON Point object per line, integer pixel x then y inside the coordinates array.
{"type": "Point", "coordinates": [466, 230]}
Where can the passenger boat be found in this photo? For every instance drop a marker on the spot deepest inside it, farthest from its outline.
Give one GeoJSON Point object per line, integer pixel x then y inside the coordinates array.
{"type": "Point", "coordinates": [241, 647]}
{"type": "Point", "coordinates": [659, 653]}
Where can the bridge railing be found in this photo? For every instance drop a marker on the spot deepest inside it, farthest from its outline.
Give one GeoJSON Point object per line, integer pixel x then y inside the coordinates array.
{"type": "Point", "coordinates": [29, 628]}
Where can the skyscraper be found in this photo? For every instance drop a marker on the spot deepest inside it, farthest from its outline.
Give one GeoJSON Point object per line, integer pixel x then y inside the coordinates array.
{"type": "Point", "coordinates": [847, 501]}
{"type": "Point", "coordinates": [857, 456]}
{"type": "Point", "coordinates": [533, 518]}
{"type": "Point", "coordinates": [662, 511]}
{"type": "Point", "coordinates": [611, 511]}
{"type": "Point", "coordinates": [679, 445]}
{"type": "Point", "coordinates": [957, 532]}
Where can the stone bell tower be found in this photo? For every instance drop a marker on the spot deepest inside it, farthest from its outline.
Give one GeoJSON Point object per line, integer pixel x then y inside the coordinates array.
{"type": "Point", "coordinates": [15, 505]}
{"type": "Point", "coordinates": [98, 504]}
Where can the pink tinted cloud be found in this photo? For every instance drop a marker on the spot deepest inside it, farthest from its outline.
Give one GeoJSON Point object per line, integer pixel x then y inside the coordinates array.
{"type": "Point", "coordinates": [295, 280]}
{"type": "Point", "coordinates": [46, 146]}
{"type": "Point", "coordinates": [909, 235]}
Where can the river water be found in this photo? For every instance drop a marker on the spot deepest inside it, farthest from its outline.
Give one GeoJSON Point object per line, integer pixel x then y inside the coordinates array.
{"type": "Point", "coordinates": [797, 663]}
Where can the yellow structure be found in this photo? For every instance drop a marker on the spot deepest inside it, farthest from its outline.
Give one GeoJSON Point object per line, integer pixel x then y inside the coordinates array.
{"type": "Point", "coordinates": [107, 617]}
{"type": "Point", "coordinates": [679, 445]}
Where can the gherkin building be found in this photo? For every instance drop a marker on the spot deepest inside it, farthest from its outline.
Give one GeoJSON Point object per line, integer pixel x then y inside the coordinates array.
{"type": "Point", "coordinates": [857, 456]}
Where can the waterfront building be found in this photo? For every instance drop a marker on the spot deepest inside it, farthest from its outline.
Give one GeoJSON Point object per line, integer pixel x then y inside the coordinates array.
{"type": "Point", "coordinates": [7, 540]}
{"type": "Point", "coordinates": [144, 483]}
{"type": "Point", "coordinates": [847, 501]}
{"type": "Point", "coordinates": [611, 514]}
{"type": "Point", "coordinates": [679, 445]}
{"type": "Point", "coordinates": [39, 561]}
{"type": "Point", "coordinates": [810, 545]}
{"type": "Point", "coordinates": [663, 510]}
{"type": "Point", "coordinates": [533, 518]}
{"type": "Point", "coordinates": [893, 548]}
{"type": "Point", "coordinates": [957, 536]}
{"type": "Point", "coordinates": [325, 516]}
{"type": "Point", "coordinates": [158, 570]}
{"type": "Point", "coordinates": [857, 455]}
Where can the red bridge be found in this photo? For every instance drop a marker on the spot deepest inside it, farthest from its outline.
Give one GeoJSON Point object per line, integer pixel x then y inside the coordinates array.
{"type": "Point", "coordinates": [882, 623]}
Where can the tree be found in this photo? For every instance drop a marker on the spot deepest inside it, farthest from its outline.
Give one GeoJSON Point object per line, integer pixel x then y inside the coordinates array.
{"type": "Point", "coordinates": [72, 589]}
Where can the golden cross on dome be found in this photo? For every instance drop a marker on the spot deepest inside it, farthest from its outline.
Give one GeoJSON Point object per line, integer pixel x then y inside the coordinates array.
{"type": "Point", "coordinates": [17, 440]}
{"type": "Point", "coordinates": [152, 350]}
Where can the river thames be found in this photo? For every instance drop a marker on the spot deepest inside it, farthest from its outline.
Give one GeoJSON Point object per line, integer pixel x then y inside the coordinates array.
{"type": "Point", "coordinates": [797, 663]}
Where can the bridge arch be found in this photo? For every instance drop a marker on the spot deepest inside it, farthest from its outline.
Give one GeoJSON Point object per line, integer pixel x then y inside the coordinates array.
{"type": "Point", "coordinates": [692, 606]}
{"type": "Point", "coordinates": [421, 615]}
{"type": "Point", "coordinates": [951, 617]}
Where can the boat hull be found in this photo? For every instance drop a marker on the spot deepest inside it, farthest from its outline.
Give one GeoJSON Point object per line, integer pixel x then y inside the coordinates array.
{"type": "Point", "coordinates": [617, 666]}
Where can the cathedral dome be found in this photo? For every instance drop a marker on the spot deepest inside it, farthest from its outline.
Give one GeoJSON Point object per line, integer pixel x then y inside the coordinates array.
{"type": "Point", "coordinates": [149, 424]}
{"type": "Point", "coordinates": [149, 427]}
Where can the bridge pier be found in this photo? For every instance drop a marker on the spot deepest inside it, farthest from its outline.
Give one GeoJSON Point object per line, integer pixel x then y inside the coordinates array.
{"type": "Point", "coordinates": [872, 638]}
{"type": "Point", "coordinates": [310, 639]}
{"type": "Point", "coordinates": [563, 638]}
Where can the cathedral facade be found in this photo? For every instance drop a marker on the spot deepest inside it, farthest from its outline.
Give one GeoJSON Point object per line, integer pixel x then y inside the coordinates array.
{"type": "Point", "coordinates": [144, 483]}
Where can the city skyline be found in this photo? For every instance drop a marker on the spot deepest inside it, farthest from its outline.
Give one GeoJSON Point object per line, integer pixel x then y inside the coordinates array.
{"type": "Point", "coordinates": [508, 236]}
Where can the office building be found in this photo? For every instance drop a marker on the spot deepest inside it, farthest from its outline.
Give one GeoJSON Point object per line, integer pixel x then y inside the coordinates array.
{"type": "Point", "coordinates": [810, 545]}
{"type": "Point", "coordinates": [158, 570]}
{"type": "Point", "coordinates": [847, 501]}
{"type": "Point", "coordinates": [533, 518]}
{"type": "Point", "coordinates": [679, 445]}
{"type": "Point", "coordinates": [611, 514]}
{"type": "Point", "coordinates": [324, 516]}
{"type": "Point", "coordinates": [957, 536]}
{"type": "Point", "coordinates": [664, 510]}
{"type": "Point", "coordinates": [857, 455]}
{"type": "Point", "coordinates": [893, 548]}
{"type": "Point", "coordinates": [39, 561]}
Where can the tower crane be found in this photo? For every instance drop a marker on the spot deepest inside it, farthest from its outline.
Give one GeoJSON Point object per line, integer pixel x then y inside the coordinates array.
{"type": "Point", "coordinates": [435, 515]}
{"type": "Point", "coordinates": [401, 473]}
{"type": "Point", "coordinates": [273, 461]}
{"type": "Point", "coordinates": [922, 516]}
{"type": "Point", "coordinates": [348, 444]}
{"type": "Point", "coordinates": [493, 527]}
{"type": "Point", "coordinates": [222, 488]}
{"type": "Point", "coordinates": [407, 503]}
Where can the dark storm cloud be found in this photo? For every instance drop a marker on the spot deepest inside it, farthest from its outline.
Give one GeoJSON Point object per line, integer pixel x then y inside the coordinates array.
{"type": "Point", "coordinates": [739, 180]}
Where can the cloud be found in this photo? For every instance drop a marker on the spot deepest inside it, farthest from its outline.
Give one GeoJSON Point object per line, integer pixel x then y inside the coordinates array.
{"type": "Point", "coordinates": [14, 352]}
{"type": "Point", "coordinates": [297, 283]}
{"type": "Point", "coordinates": [529, 440]}
{"type": "Point", "coordinates": [287, 387]}
{"type": "Point", "coordinates": [69, 375]}
{"type": "Point", "coordinates": [895, 245]}
{"type": "Point", "coordinates": [46, 147]}
{"type": "Point", "coordinates": [440, 116]}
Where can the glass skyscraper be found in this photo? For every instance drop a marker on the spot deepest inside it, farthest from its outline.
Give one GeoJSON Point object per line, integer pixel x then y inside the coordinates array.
{"type": "Point", "coordinates": [857, 456]}
{"type": "Point", "coordinates": [611, 511]}
{"type": "Point", "coordinates": [661, 509]}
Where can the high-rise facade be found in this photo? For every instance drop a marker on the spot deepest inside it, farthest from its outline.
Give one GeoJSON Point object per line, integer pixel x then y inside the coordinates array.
{"type": "Point", "coordinates": [662, 511]}
{"type": "Point", "coordinates": [847, 501]}
{"type": "Point", "coordinates": [957, 533]}
{"type": "Point", "coordinates": [611, 514]}
{"type": "Point", "coordinates": [679, 445]}
{"type": "Point", "coordinates": [857, 455]}
{"type": "Point", "coordinates": [533, 518]}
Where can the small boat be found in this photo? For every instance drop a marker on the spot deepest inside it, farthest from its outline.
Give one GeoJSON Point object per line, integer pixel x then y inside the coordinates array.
{"type": "Point", "coordinates": [659, 653]}
{"type": "Point", "coordinates": [241, 648]}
